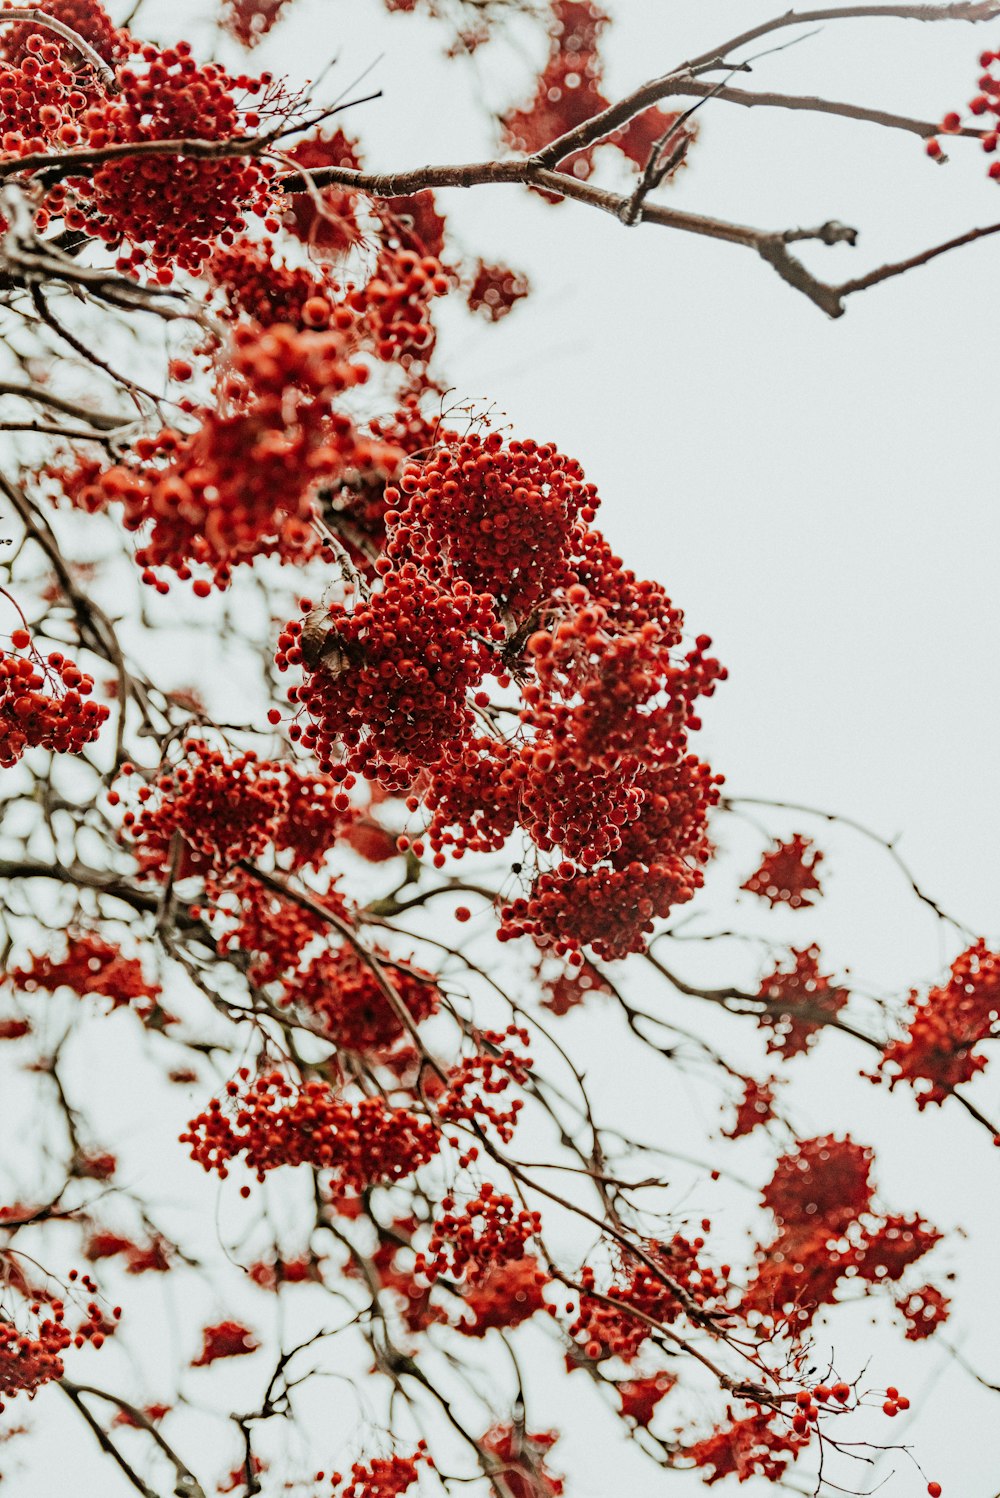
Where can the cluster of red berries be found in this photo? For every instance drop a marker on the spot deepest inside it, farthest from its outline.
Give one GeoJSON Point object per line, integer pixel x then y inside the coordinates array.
{"type": "Point", "coordinates": [44, 704]}
{"type": "Point", "coordinates": [355, 509]}
{"type": "Point", "coordinates": [279, 1123]}
{"type": "Point", "coordinates": [473, 802]}
{"type": "Point", "coordinates": [800, 1001]}
{"type": "Point", "coordinates": [87, 18]}
{"type": "Point", "coordinates": [827, 1229]}
{"type": "Point", "coordinates": [487, 1231]}
{"type": "Point", "coordinates": [394, 304]}
{"type": "Point", "coordinates": [271, 1274]}
{"type": "Point", "coordinates": [640, 1396]}
{"type": "Point", "coordinates": [655, 863]}
{"type": "Point", "coordinates": [221, 808]}
{"type": "Point", "coordinates": [326, 218]}
{"type": "Point", "coordinates": [410, 222]}
{"type": "Point", "coordinates": [249, 21]}
{"type": "Point", "coordinates": [31, 1358]}
{"type": "Point", "coordinates": [139, 1258]}
{"type": "Point", "coordinates": [227, 1339]}
{"type": "Point", "coordinates": [754, 1108]}
{"type": "Point", "coordinates": [936, 1054]}
{"type": "Point", "coordinates": [41, 100]}
{"type": "Point", "coordinates": [343, 992]}
{"type": "Point", "coordinates": [500, 516]}
{"type": "Point", "coordinates": [392, 1262]}
{"type": "Point", "coordinates": [568, 92]}
{"type": "Point", "coordinates": [985, 103]}
{"type": "Point", "coordinates": [923, 1310]}
{"type": "Point", "coordinates": [268, 930]}
{"type": "Point", "coordinates": [254, 284]}
{"type": "Point", "coordinates": [91, 965]}
{"type": "Point", "coordinates": [243, 483]}
{"type": "Point", "coordinates": [672, 1280]}
{"type": "Point", "coordinates": [392, 680]}
{"type": "Point", "coordinates": [521, 1458]}
{"type": "Point", "coordinates": [611, 910]}
{"type": "Point", "coordinates": [171, 209]}
{"type": "Point", "coordinates": [603, 693]}
{"type": "Point", "coordinates": [787, 873]}
{"type": "Point", "coordinates": [598, 775]}
{"type": "Point", "coordinates": [569, 987]}
{"type": "Point", "coordinates": [485, 1075]}
{"type": "Point", "coordinates": [759, 1445]}
{"type": "Point", "coordinates": [383, 1477]}
{"type": "Point", "coordinates": [504, 1295]}
{"type": "Point", "coordinates": [825, 1179]}
{"type": "Point", "coordinates": [496, 290]}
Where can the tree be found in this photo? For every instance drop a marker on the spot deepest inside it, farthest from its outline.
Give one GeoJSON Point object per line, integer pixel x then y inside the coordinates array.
{"type": "Point", "coordinates": [344, 930]}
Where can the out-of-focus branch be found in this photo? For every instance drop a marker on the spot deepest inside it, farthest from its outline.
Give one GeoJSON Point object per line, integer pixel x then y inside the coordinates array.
{"type": "Point", "coordinates": [188, 1485]}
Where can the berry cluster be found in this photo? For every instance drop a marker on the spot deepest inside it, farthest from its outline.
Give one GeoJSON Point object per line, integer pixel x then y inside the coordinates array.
{"type": "Point", "coordinates": [270, 931]}
{"type": "Point", "coordinates": [490, 570]}
{"type": "Point", "coordinates": [254, 284]}
{"type": "Point", "coordinates": [325, 219]}
{"type": "Point", "coordinates": [985, 106]}
{"type": "Point", "coordinates": [139, 1258]}
{"type": "Point", "coordinates": [520, 1458]}
{"type": "Point", "coordinates": [499, 516]}
{"type": "Point", "coordinates": [31, 1358]}
{"type": "Point", "coordinates": [800, 1000]}
{"type": "Point", "coordinates": [170, 209]}
{"type": "Point", "coordinates": [411, 222]}
{"type": "Point", "coordinates": [754, 1108]}
{"type": "Point", "coordinates": [504, 1295]}
{"type": "Point", "coordinates": [249, 21]}
{"type": "Point", "coordinates": [496, 290]}
{"type": "Point", "coordinates": [393, 674]}
{"type": "Point", "coordinates": [640, 1396]}
{"type": "Point", "coordinates": [44, 704]}
{"type": "Point", "coordinates": [827, 1229]}
{"type": "Point", "coordinates": [227, 1339]}
{"type": "Point", "coordinates": [345, 995]}
{"type": "Point", "coordinates": [936, 1054]}
{"type": "Point", "coordinates": [91, 966]}
{"type": "Point", "coordinates": [41, 100]}
{"type": "Point", "coordinates": [487, 1232]}
{"type": "Point", "coordinates": [569, 92]}
{"type": "Point", "coordinates": [923, 1310]}
{"type": "Point", "coordinates": [384, 1477]}
{"type": "Point", "coordinates": [487, 1074]}
{"type": "Point", "coordinates": [670, 1281]}
{"type": "Point", "coordinates": [221, 809]}
{"type": "Point", "coordinates": [87, 18]}
{"type": "Point", "coordinates": [394, 304]}
{"type": "Point", "coordinates": [787, 874]}
{"type": "Point", "coordinates": [279, 1123]}
{"type": "Point", "coordinates": [758, 1445]}
{"type": "Point", "coordinates": [243, 483]}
